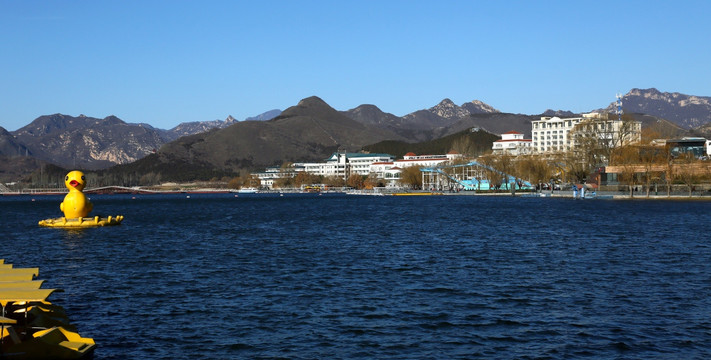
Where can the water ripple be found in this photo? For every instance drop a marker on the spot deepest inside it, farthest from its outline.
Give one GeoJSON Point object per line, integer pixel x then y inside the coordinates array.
{"type": "Point", "coordinates": [339, 277]}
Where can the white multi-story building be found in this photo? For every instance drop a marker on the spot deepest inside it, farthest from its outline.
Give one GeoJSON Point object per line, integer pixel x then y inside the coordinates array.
{"type": "Point", "coordinates": [553, 134]}
{"type": "Point", "coordinates": [512, 143]}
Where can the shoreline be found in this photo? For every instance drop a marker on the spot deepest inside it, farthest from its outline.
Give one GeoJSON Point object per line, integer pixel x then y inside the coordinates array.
{"type": "Point", "coordinates": [605, 195]}
{"type": "Point", "coordinates": [599, 196]}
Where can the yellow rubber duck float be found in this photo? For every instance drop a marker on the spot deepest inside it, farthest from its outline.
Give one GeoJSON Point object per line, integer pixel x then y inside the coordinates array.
{"type": "Point", "coordinates": [75, 204]}
{"type": "Point", "coordinates": [76, 207]}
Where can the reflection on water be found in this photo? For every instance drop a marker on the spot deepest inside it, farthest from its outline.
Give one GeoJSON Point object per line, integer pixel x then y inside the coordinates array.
{"type": "Point", "coordinates": [73, 237]}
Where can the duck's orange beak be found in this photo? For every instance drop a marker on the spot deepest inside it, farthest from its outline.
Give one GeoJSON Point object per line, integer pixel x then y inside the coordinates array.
{"type": "Point", "coordinates": [74, 183]}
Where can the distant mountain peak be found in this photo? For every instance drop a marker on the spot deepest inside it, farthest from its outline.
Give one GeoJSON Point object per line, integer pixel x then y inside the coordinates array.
{"type": "Point", "coordinates": [306, 107]}
{"type": "Point", "coordinates": [650, 91]}
{"type": "Point", "coordinates": [311, 101]}
{"type": "Point", "coordinates": [449, 110]}
{"type": "Point", "coordinates": [113, 119]}
{"type": "Point", "coordinates": [367, 107]}
{"type": "Point", "coordinates": [265, 116]}
{"type": "Point", "coordinates": [366, 110]}
{"type": "Point", "coordinates": [372, 115]}
{"type": "Point", "coordinates": [558, 113]}
{"type": "Point", "coordinates": [196, 127]}
{"type": "Point", "coordinates": [479, 107]}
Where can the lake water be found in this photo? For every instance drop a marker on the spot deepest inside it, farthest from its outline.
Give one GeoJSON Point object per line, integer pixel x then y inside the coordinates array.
{"type": "Point", "coordinates": [361, 277]}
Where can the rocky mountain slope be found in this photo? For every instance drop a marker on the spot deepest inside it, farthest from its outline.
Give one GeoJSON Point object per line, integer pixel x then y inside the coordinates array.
{"type": "Point", "coordinates": [688, 111]}
{"type": "Point", "coordinates": [93, 143]}
{"type": "Point", "coordinates": [9, 145]}
{"type": "Point", "coordinates": [87, 142]}
{"type": "Point", "coordinates": [15, 159]}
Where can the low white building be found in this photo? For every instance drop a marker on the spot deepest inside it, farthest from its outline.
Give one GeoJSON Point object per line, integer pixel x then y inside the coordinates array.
{"type": "Point", "coordinates": [512, 143]}
{"type": "Point", "coordinates": [411, 159]}
{"type": "Point", "coordinates": [271, 174]}
{"type": "Point", "coordinates": [387, 171]}
{"type": "Point", "coordinates": [345, 164]}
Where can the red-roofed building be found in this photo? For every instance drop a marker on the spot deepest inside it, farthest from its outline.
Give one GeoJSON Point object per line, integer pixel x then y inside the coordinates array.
{"type": "Point", "coordinates": [512, 143]}
{"type": "Point", "coordinates": [387, 171]}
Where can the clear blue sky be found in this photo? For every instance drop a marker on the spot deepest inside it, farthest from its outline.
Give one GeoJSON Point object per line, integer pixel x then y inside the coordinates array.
{"type": "Point", "coordinates": [166, 62]}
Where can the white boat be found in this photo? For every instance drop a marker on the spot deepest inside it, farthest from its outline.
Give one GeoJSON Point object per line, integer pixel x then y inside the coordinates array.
{"type": "Point", "coordinates": [249, 190]}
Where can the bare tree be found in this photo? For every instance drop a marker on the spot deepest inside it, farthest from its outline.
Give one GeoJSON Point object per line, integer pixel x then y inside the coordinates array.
{"type": "Point", "coordinates": [593, 140]}
{"type": "Point", "coordinates": [372, 181]}
{"type": "Point", "coordinates": [464, 146]}
{"type": "Point", "coordinates": [356, 181]}
{"type": "Point", "coordinates": [411, 177]}
{"type": "Point", "coordinates": [235, 183]}
{"type": "Point", "coordinates": [536, 168]}
{"type": "Point", "coordinates": [627, 158]}
{"type": "Point", "coordinates": [253, 181]}
{"type": "Point", "coordinates": [499, 168]}
{"type": "Point", "coordinates": [668, 168]}
{"type": "Point", "coordinates": [652, 161]}
{"type": "Point", "coordinates": [578, 165]}
{"type": "Point", "coordinates": [687, 171]}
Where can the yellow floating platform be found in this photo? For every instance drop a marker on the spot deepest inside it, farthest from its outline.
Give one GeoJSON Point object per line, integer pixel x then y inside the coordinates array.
{"type": "Point", "coordinates": [79, 222]}
{"type": "Point", "coordinates": [30, 326]}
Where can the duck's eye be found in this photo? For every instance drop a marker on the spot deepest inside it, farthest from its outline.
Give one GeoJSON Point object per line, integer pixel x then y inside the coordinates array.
{"type": "Point", "coordinates": [66, 178]}
{"type": "Point", "coordinates": [83, 177]}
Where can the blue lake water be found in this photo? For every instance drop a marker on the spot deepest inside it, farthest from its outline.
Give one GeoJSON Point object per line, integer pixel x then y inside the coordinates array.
{"type": "Point", "coordinates": [348, 277]}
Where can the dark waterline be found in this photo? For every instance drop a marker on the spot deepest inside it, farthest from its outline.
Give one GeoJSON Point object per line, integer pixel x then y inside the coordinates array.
{"type": "Point", "coordinates": [328, 277]}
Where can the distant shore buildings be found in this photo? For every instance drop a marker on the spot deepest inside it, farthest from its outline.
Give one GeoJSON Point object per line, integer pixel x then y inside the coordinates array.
{"type": "Point", "coordinates": [345, 164]}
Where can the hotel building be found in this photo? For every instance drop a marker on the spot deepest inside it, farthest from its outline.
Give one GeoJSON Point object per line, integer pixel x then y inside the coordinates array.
{"type": "Point", "coordinates": [554, 134]}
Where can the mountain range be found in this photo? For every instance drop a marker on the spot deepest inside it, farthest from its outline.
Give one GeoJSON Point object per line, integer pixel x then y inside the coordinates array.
{"type": "Point", "coordinates": [308, 131]}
